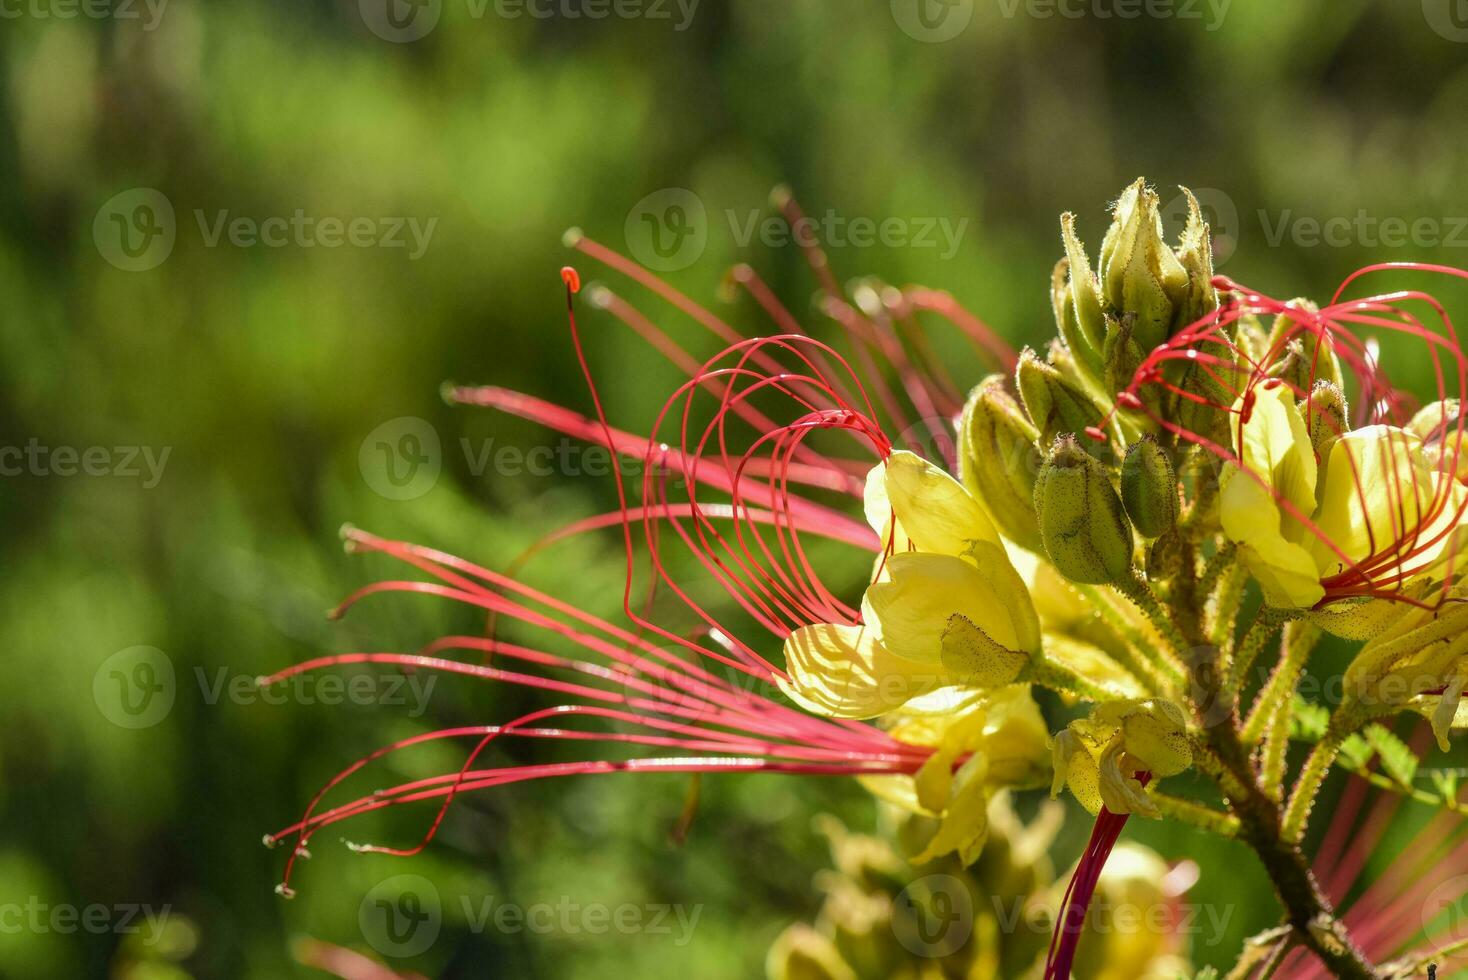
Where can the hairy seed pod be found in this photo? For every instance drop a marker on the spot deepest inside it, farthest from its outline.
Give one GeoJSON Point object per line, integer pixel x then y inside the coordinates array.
{"type": "Point", "coordinates": [1149, 488]}
{"type": "Point", "coordinates": [1083, 525]}
{"type": "Point", "coordinates": [1056, 405]}
{"type": "Point", "coordinates": [998, 460]}
{"type": "Point", "coordinates": [1139, 272]}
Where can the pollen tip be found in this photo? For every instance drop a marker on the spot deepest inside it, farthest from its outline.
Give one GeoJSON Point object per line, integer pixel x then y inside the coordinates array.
{"type": "Point", "coordinates": [448, 391]}
{"type": "Point", "coordinates": [571, 278]}
{"type": "Point", "coordinates": [572, 237]}
{"type": "Point", "coordinates": [303, 852]}
{"type": "Point", "coordinates": [333, 614]}
{"type": "Point", "coordinates": [780, 195]}
{"type": "Point", "coordinates": [598, 296]}
{"type": "Point", "coordinates": [269, 841]}
{"type": "Point", "coordinates": [1128, 400]}
{"type": "Point", "coordinates": [285, 891]}
{"type": "Point", "coordinates": [353, 846]}
{"type": "Point", "coordinates": [262, 680]}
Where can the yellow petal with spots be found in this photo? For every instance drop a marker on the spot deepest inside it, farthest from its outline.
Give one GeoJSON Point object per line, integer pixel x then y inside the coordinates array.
{"type": "Point", "coordinates": [911, 611]}
{"type": "Point", "coordinates": [844, 672]}
{"type": "Point", "coordinates": [915, 505]}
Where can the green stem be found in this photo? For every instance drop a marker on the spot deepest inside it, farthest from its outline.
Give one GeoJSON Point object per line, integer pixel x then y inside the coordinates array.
{"type": "Point", "coordinates": [1207, 818]}
{"type": "Point", "coordinates": [1308, 784]}
{"type": "Point", "coordinates": [1299, 640]}
{"type": "Point", "coordinates": [1215, 567]}
{"type": "Point", "coordinates": [1048, 673]}
{"type": "Point", "coordinates": [1160, 668]}
{"type": "Point", "coordinates": [1261, 631]}
{"type": "Point", "coordinates": [1225, 605]}
{"type": "Point", "coordinates": [1140, 592]}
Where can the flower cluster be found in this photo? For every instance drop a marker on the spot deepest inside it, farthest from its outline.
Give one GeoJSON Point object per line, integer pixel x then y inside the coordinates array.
{"type": "Point", "coordinates": [1128, 518]}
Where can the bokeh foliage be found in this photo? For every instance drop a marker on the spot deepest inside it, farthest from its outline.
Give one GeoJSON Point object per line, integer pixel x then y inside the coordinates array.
{"type": "Point", "coordinates": [262, 370]}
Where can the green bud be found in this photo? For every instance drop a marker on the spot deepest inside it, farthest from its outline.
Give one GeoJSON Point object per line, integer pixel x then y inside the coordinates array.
{"type": "Point", "coordinates": [1082, 523]}
{"type": "Point", "coordinates": [1444, 436]}
{"type": "Point", "coordinates": [1325, 413]}
{"type": "Point", "coordinates": [1085, 290]}
{"type": "Point", "coordinates": [1056, 405]}
{"type": "Point", "coordinates": [1209, 417]}
{"type": "Point", "coordinates": [1195, 253]}
{"type": "Point", "coordinates": [1139, 273]}
{"type": "Point", "coordinates": [998, 460]}
{"type": "Point", "coordinates": [1165, 556]}
{"type": "Point", "coordinates": [1307, 357]}
{"type": "Point", "coordinates": [1435, 421]}
{"type": "Point", "coordinates": [1149, 488]}
{"type": "Point", "coordinates": [1062, 300]}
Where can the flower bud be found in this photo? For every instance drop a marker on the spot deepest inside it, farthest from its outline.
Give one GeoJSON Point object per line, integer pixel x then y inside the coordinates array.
{"type": "Point", "coordinates": [1055, 404]}
{"type": "Point", "coordinates": [998, 460]}
{"type": "Point", "coordinates": [1442, 431]}
{"type": "Point", "coordinates": [1082, 523]}
{"type": "Point", "coordinates": [1062, 300]}
{"type": "Point", "coordinates": [1308, 355]}
{"type": "Point", "coordinates": [1208, 378]}
{"type": "Point", "coordinates": [1085, 290]}
{"type": "Point", "coordinates": [1195, 253]}
{"type": "Point", "coordinates": [1139, 273]}
{"type": "Point", "coordinates": [1435, 420]}
{"type": "Point", "coordinates": [1149, 488]}
{"type": "Point", "coordinates": [1122, 358]}
{"type": "Point", "coordinates": [1325, 413]}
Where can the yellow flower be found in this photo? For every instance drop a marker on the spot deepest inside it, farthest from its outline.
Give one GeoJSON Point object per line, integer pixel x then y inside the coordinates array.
{"type": "Point", "coordinates": [1001, 740]}
{"type": "Point", "coordinates": [946, 608]}
{"type": "Point", "coordinates": [1098, 757]}
{"type": "Point", "coordinates": [1419, 662]}
{"type": "Point", "coordinates": [1380, 510]}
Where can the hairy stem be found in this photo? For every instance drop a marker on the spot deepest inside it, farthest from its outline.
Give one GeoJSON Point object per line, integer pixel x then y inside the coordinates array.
{"type": "Point", "coordinates": [1161, 668]}
{"type": "Point", "coordinates": [1307, 785]}
{"type": "Point", "coordinates": [1261, 631]}
{"type": "Point", "coordinates": [1140, 592]}
{"type": "Point", "coordinates": [1261, 826]}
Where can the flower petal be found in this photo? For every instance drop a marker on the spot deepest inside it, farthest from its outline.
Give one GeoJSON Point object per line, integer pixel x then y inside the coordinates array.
{"type": "Point", "coordinates": [844, 672]}
{"type": "Point", "coordinates": [911, 502]}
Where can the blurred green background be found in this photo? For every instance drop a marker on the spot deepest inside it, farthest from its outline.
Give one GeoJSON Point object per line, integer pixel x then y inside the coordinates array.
{"type": "Point", "coordinates": [262, 371]}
